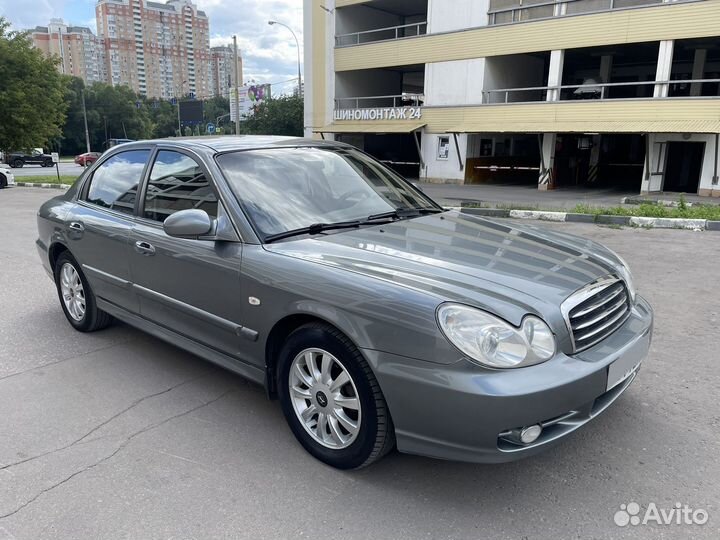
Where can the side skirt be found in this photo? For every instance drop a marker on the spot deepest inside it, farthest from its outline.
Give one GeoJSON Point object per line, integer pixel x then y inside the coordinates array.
{"type": "Point", "coordinates": [254, 374]}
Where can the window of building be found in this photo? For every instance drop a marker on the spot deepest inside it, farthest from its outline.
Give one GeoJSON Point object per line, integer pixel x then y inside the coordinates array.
{"type": "Point", "coordinates": [177, 183]}
{"type": "Point", "coordinates": [115, 183]}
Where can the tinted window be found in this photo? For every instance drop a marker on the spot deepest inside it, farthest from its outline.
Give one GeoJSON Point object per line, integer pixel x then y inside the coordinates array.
{"type": "Point", "coordinates": [177, 183]}
{"type": "Point", "coordinates": [115, 183]}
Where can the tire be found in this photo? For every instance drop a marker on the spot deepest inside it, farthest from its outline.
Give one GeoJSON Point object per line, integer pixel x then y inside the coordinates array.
{"type": "Point", "coordinates": [92, 318]}
{"type": "Point", "coordinates": [374, 435]}
{"type": "Point", "coordinates": [3, 181]}
{"type": "Point", "coordinates": [17, 164]}
{"type": "Point", "coordinates": [47, 164]}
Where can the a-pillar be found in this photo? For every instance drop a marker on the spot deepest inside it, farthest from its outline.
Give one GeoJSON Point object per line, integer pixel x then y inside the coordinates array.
{"type": "Point", "coordinates": [546, 179]}
{"type": "Point", "coordinates": [664, 68]}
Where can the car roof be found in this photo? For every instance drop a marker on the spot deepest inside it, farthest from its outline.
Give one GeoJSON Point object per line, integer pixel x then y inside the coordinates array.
{"type": "Point", "coordinates": [228, 143]}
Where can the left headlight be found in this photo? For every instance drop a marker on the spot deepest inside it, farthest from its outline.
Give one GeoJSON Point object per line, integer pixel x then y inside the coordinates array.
{"type": "Point", "coordinates": [494, 343]}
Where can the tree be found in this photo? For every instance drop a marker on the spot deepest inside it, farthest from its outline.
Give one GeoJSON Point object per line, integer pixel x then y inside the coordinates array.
{"type": "Point", "coordinates": [279, 116]}
{"type": "Point", "coordinates": [32, 104]}
{"type": "Point", "coordinates": [216, 107]}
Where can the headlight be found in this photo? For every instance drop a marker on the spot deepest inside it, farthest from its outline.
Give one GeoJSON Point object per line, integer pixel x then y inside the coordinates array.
{"type": "Point", "coordinates": [625, 274]}
{"type": "Point", "coordinates": [491, 341]}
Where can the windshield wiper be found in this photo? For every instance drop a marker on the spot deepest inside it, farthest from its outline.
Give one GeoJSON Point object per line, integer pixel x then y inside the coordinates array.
{"type": "Point", "coordinates": [317, 228]}
{"type": "Point", "coordinates": [404, 213]}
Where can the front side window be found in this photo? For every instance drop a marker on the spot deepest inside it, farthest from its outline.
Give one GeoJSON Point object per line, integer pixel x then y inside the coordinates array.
{"type": "Point", "coordinates": [177, 183]}
{"type": "Point", "coordinates": [284, 189]}
{"type": "Point", "coordinates": [115, 183]}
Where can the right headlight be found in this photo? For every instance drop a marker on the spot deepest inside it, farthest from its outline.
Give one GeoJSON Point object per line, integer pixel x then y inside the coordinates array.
{"type": "Point", "coordinates": [492, 342]}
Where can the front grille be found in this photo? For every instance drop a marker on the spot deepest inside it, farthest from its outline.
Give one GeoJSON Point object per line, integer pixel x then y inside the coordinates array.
{"type": "Point", "coordinates": [597, 312]}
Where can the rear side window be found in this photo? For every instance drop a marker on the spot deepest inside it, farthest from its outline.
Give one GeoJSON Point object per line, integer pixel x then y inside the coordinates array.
{"type": "Point", "coordinates": [115, 183]}
{"type": "Point", "coordinates": [177, 182]}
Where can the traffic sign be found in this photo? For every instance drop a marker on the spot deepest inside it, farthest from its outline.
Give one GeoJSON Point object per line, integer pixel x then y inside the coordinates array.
{"type": "Point", "coordinates": [55, 157]}
{"type": "Point", "coordinates": [211, 128]}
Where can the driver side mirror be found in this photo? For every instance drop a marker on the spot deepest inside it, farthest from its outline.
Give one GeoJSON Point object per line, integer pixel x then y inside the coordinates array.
{"type": "Point", "coordinates": [191, 223]}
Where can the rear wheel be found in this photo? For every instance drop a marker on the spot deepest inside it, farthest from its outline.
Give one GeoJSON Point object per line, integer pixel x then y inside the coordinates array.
{"type": "Point", "coordinates": [76, 297]}
{"type": "Point", "coordinates": [332, 400]}
{"type": "Point", "coordinates": [17, 164]}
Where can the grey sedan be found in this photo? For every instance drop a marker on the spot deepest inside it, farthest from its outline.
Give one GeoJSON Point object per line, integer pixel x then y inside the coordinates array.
{"type": "Point", "coordinates": [377, 319]}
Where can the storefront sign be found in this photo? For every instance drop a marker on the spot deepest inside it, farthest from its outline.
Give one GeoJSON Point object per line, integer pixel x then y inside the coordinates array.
{"type": "Point", "coordinates": [399, 113]}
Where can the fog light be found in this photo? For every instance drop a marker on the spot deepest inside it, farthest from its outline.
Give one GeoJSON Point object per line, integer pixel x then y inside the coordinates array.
{"type": "Point", "coordinates": [530, 434]}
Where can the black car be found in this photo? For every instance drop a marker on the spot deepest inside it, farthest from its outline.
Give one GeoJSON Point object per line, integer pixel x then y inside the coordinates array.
{"type": "Point", "coordinates": [18, 159]}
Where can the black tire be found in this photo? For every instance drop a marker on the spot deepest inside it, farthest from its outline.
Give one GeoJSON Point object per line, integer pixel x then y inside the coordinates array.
{"type": "Point", "coordinates": [94, 318]}
{"type": "Point", "coordinates": [17, 164]}
{"type": "Point", "coordinates": [376, 435]}
{"type": "Point", "coordinates": [3, 181]}
{"type": "Point", "coordinates": [47, 163]}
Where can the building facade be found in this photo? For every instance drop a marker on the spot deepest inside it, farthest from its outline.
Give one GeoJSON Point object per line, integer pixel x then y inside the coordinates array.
{"type": "Point", "coordinates": [596, 93]}
{"type": "Point", "coordinates": [161, 50]}
{"type": "Point", "coordinates": [80, 52]}
{"type": "Point", "coordinates": [222, 72]}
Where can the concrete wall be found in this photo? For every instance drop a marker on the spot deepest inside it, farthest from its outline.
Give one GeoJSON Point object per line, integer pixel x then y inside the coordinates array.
{"type": "Point", "coordinates": [442, 171]}
{"type": "Point", "coordinates": [454, 83]}
{"type": "Point", "coordinates": [359, 18]}
{"type": "Point", "coordinates": [449, 16]}
{"type": "Point", "coordinates": [368, 83]}
{"type": "Point", "coordinates": [708, 168]}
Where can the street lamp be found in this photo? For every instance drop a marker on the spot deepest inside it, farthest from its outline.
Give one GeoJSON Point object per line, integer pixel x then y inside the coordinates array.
{"type": "Point", "coordinates": [298, 53]}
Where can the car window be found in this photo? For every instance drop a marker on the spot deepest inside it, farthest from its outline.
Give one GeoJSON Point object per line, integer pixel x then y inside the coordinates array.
{"type": "Point", "coordinates": [115, 183]}
{"type": "Point", "coordinates": [177, 183]}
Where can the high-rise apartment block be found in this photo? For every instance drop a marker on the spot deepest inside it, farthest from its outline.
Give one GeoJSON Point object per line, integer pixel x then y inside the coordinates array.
{"type": "Point", "coordinates": [80, 52]}
{"type": "Point", "coordinates": [159, 50]}
{"type": "Point", "coordinates": [223, 70]}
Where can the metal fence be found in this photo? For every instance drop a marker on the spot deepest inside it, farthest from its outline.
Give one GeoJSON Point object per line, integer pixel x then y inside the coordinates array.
{"type": "Point", "coordinates": [381, 34]}
{"type": "Point", "coordinates": [366, 102]}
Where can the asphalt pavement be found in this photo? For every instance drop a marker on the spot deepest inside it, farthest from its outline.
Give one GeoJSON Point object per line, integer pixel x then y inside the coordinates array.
{"type": "Point", "coordinates": [36, 170]}
{"type": "Point", "coordinates": [119, 435]}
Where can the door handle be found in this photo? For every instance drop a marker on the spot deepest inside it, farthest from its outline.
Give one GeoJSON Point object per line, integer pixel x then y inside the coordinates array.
{"type": "Point", "coordinates": [76, 226]}
{"type": "Point", "coordinates": [145, 248]}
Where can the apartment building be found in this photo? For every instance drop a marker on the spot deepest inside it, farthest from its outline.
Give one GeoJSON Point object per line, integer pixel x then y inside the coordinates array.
{"type": "Point", "coordinates": [554, 93]}
{"type": "Point", "coordinates": [161, 50]}
{"type": "Point", "coordinates": [80, 52]}
{"type": "Point", "coordinates": [222, 73]}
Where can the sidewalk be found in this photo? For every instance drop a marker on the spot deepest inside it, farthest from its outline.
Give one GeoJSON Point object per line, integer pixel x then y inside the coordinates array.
{"type": "Point", "coordinates": [523, 196]}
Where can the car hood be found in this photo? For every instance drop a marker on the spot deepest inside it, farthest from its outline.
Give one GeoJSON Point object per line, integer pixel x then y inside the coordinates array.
{"type": "Point", "coordinates": [466, 258]}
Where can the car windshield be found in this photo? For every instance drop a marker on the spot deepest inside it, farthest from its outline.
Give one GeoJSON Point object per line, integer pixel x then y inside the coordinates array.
{"type": "Point", "coordinates": [286, 189]}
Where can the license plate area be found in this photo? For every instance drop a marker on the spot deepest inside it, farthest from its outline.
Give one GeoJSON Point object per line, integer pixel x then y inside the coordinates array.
{"type": "Point", "coordinates": [621, 369]}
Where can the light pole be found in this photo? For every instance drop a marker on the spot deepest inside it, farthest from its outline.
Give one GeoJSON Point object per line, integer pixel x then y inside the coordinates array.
{"type": "Point", "coordinates": [300, 88]}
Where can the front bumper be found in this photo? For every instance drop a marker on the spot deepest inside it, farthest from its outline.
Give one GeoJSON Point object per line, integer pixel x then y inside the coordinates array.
{"type": "Point", "coordinates": [10, 178]}
{"type": "Point", "coordinates": [467, 413]}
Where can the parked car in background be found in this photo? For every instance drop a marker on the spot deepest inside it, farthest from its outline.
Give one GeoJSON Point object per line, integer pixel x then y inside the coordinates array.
{"type": "Point", "coordinates": [34, 157]}
{"type": "Point", "coordinates": [7, 178]}
{"type": "Point", "coordinates": [87, 159]}
{"type": "Point", "coordinates": [375, 316]}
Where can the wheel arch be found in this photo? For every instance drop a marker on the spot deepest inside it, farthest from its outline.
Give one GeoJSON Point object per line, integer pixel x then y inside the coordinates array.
{"type": "Point", "coordinates": [54, 251]}
{"type": "Point", "coordinates": [277, 336]}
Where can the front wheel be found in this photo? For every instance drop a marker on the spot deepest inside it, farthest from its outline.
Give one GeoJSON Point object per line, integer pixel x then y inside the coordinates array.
{"type": "Point", "coordinates": [76, 297]}
{"type": "Point", "coordinates": [47, 163]}
{"type": "Point", "coordinates": [3, 181]}
{"type": "Point", "coordinates": [331, 399]}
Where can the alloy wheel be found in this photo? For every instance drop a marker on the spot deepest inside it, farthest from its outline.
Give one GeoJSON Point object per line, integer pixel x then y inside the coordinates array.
{"type": "Point", "coordinates": [73, 293]}
{"type": "Point", "coordinates": [324, 398]}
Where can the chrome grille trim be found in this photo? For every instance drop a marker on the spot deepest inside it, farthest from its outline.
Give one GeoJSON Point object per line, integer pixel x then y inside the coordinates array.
{"type": "Point", "coordinates": [596, 311]}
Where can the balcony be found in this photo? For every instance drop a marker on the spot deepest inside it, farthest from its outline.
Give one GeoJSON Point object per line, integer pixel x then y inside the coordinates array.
{"type": "Point", "coordinates": [371, 102]}
{"type": "Point", "coordinates": [515, 11]}
{"type": "Point", "coordinates": [380, 20]}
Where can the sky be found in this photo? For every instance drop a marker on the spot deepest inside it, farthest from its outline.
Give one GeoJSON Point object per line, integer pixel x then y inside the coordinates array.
{"type": "Point", "coordinates": [269, 52]}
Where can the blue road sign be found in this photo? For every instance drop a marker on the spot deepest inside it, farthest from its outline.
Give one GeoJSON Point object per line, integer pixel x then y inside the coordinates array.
{"type": "Point", "coordinates": [211, 128]}
{"type": "Point", "coordinates": [173, 101]}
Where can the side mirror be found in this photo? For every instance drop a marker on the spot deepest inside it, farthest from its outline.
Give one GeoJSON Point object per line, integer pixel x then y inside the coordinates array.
{"type": "Point", "coordinates": [189, 224]}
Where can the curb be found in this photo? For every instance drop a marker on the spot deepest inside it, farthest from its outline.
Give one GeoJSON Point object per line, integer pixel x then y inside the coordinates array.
{"type": "Point", "coordinates": [628, 221]}
{"type": "Point", "coordinates": [43, 186]}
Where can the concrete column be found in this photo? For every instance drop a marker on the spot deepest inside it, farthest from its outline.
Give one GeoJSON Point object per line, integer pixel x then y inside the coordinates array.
{"type": "Point", "coordinates": [557, 59]}
{"type": "Point", "coordinates": [698, 71]}
{"type": "Point", "coordinates": [594, 159]}
{"type": "Point", "coordinates": [664, 67]}
{"type": "Point", "coordinates": [546, 179]}
{"type": "Point", "coordinates": [606, 62]}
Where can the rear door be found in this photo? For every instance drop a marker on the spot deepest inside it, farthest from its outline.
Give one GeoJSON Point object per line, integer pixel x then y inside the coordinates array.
{"type": "Point", "coordinates": [189, 286]}
{"type": "Point", "coordinates": [98, 228]}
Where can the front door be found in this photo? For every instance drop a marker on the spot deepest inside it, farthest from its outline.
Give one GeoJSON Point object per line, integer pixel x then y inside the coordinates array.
{"type": "Point", "coordinates": [189, 286]}
{"type": "Point", "coordinates": [99, 226]}
{"type": "Point", "coordinates": [684, 166]}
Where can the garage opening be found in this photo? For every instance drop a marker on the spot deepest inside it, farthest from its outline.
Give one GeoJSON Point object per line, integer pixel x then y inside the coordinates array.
{"type": "Point", "coordinates": [683, 166]}
{"type": "Point", "coordinates": [609, 161]}
{"type": "Point", "coordinates": [399, 151]}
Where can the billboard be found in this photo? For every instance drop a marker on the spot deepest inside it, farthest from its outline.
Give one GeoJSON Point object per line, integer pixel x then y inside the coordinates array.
{"type": "Point", "coordinates": [250, 97]}
{"type": "Point", "coordinates": [191, 112]}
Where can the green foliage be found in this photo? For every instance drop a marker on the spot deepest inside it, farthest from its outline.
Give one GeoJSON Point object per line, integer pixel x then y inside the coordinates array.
{"type": "Point", "coordinates": [32, 105]}
{"type": "Point", "coordinates": [279, 116]}
{"type": "Point", "coordinates": [682, 203]}
{"type": "Point", "coordinates": [711, 212]}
